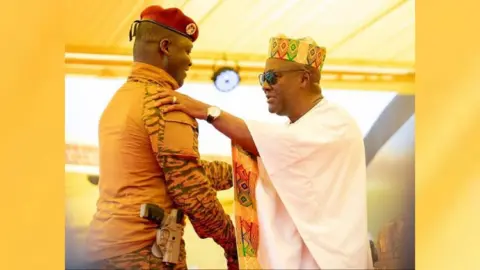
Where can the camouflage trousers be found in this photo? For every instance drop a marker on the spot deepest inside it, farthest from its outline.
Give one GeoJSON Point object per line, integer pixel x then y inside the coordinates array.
{"type": "Point", "coordinates": [142, 259]}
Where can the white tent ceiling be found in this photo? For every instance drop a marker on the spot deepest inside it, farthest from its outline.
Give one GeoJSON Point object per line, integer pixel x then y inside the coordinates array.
{"type": "Point", "coordinates": [380, 32]}
{"type": "Point", "coordinates": [370, 43]}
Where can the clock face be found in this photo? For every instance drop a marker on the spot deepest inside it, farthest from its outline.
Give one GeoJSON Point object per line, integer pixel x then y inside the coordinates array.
{"type": "Point", "coordinates": [227, 80]}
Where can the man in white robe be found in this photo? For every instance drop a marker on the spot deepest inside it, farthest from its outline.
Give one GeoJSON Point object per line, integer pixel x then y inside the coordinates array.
{"type": "Point", "coordinates": [311, 193]}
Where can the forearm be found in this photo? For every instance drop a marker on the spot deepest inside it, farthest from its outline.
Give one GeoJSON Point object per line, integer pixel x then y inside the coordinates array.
{"type": "Point", "coordinates": [219, 173]}
{"type": "Point", "coordinates": [190, 191]}
{"type": "Point", "coordinates": [236, 129]}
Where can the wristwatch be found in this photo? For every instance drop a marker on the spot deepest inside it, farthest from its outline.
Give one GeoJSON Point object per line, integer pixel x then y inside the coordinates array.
{"type": "Point", "coordinates": [213, 113]}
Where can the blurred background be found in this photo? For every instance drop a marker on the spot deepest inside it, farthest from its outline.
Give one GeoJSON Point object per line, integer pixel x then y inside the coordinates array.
{"type": "Point", "coordinates": [369, 70]}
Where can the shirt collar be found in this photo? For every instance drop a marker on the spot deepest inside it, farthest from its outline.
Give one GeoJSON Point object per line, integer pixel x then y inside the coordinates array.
{"type": "Point", "coordinates": [152, 73]}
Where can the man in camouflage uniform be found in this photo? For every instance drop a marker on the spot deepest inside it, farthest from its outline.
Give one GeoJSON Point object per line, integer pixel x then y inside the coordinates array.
{"type": "Point", "coordinates": [147, 156]}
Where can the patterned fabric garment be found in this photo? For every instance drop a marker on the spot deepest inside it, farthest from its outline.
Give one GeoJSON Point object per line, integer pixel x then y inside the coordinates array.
{"type": "Point", "coordinates": [185, 175]}
{"type": "Point", "coordinates": [246, 219]}
{"type": "Point", "coordinates": [150, 157]}
{"type": "Point", "coordinates": [219, 173]}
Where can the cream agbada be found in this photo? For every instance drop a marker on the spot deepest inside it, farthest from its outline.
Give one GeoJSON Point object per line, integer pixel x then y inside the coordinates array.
{"type": "Point", "coordinates": [310, 195]}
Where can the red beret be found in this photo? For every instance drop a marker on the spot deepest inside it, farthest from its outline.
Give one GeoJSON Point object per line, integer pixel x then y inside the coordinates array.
{"type": "Point", "coordinates": [172, 19]}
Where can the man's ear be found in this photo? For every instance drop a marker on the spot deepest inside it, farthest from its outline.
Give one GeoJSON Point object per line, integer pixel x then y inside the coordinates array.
{"type": "Point", "coordinates": [164, 46]}
{"type": "Point", "coordinates": [305, 79]}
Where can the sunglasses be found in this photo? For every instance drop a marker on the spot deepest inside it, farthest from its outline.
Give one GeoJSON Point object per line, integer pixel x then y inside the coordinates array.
{"type": "Point", "coordinates": [271, 76]}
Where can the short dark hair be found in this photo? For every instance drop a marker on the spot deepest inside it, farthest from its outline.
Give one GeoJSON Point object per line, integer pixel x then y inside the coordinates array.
{"type": "Point", "coordinates": [150, 32]}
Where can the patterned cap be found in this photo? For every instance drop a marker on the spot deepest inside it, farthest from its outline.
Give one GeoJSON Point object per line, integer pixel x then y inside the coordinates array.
{"type": "Point", "coordinates": [303, 51]}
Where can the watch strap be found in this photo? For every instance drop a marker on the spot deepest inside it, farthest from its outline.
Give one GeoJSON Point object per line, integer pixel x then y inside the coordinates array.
{"type": "Point", "coordinates": [210, 118]}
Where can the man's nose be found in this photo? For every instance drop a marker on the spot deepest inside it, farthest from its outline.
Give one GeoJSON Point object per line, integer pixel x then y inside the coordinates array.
{"type": "Point", "coordinates": [189, 61]}
{"type": "Point", "coordinates": [266, 87]}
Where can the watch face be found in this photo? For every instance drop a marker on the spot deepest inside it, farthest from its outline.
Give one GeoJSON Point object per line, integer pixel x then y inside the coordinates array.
{"type": "Point", "coordinates": [214, 111]}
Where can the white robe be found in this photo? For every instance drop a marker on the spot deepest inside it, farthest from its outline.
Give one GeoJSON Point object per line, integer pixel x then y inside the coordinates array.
{"type": "Point", "coordinates": [311, 195]}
